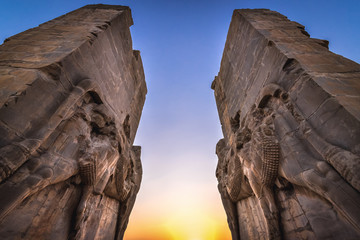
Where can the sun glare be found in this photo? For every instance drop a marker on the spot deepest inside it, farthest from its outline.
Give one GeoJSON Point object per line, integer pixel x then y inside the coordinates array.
{"type": "Point", "coordinates": [186, 214]}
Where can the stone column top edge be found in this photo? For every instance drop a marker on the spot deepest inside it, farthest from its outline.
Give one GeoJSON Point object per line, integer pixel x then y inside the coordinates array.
{"type": "Point", "coordinates": [106, 6]}
{"type": "Point", "coordinates": [290, 39]}
{"type": "Point", "coordinates": [254, 11]}
{"type": "Point", "coordinates": [254, 29]}
{"type": "Point", "coordinates": [52, 41]}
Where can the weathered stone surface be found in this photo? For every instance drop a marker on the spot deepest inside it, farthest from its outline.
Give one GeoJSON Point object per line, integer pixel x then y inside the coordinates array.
{"type": "Point", "coordinates": [289, 108]}
{"type": "Point", "coordinates": [72, 92]}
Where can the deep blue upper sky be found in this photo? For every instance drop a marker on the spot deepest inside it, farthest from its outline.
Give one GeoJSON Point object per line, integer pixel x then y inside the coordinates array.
{"type": "Point", "coordinates": [181, 44]}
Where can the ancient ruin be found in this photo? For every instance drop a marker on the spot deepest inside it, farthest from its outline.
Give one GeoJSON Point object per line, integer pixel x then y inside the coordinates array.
{"type": "Point", "coordinates": [72, 92]}
{"type": "Point", "coordinates": [289, 161]}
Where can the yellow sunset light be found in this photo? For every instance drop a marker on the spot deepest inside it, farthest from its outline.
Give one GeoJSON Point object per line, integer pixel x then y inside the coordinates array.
{"type": "Point", "coordinates": [185, 211]}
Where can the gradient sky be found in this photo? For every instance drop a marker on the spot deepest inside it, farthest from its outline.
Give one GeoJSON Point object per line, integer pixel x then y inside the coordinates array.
{"type": "Point", "coordinates": [181, 44]}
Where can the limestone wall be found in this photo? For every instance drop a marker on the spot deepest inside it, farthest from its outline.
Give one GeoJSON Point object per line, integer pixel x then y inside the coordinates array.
{"type": "Point", "coordinates": [290, 113]}
{"type": "Point", "coordinates": [72, 92]}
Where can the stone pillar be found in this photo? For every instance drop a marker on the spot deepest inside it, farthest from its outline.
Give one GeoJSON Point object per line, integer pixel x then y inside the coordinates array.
{"type": "Point", "coordinates": [290, 113]}
{"type": "Point", "coordinates": [72, 92]}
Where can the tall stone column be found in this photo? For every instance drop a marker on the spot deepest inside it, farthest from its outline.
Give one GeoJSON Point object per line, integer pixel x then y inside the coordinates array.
{"type": "Point", "coordinates": [72, 92]}
{"type": "Point", "coordinates": [290, 113]}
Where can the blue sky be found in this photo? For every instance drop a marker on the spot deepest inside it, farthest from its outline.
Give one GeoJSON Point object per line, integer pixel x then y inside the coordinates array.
{"type": "Point", "coordinates": [181, 44]}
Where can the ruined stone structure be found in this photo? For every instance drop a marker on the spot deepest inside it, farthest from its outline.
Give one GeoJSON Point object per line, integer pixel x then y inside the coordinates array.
{"type": "Point", "coordinates": [289, 162]}
{"type": "Point", "coordinates": [72, 92]}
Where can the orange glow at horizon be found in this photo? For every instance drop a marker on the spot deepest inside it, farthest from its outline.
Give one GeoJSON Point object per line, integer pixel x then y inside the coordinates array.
{"type": "Point", "coordinates": [184, 226]}
{"type": "Point", "coordinates": [181, 210]}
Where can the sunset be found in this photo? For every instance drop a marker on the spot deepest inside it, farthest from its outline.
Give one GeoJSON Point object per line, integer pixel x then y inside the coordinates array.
{"type": "Point", "coordinates": [179, 216]}
{"type": "Point", "coordinates": [97, 98]}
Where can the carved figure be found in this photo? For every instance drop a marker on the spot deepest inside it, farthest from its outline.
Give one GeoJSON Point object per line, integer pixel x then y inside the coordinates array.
{"type": "Point", "coordinates": [82, 142]}
{"type": "Point", "coordinates": [277, 145]}
{"type": "Point", "coordinates": [289, 109]}
{"type": "Point", "coordinates": [72, 92]}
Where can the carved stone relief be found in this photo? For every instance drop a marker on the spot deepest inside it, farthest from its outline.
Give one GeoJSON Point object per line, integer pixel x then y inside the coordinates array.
{"type": "Point", "coordinates": [72, 92]}
{"type": "Point", "coordinates": [275, 147]}
{"type": "Point", "coordinates": [289, 160]}
{"type": "Point", "coordinates": [83, 148]}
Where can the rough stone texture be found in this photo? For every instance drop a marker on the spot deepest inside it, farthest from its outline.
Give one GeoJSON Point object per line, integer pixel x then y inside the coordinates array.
{"type": "Point", "coordinates": [72, 92]}
{"type": "Point", "coordinates": [290, 112]}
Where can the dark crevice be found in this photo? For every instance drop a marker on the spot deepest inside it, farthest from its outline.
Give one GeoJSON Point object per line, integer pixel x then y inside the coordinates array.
{"type": "Point", "coordinates": [126, 126]}
{"type": "Point", "coordinates": [290, 65]}
{"type": "Point", "coordinates": [95, 97]}
{"type": "Point", "coordinates": [235, 122]}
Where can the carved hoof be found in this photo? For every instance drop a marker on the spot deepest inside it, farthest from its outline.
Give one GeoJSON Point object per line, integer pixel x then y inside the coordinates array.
{"type": "Point", "coordinates": [4, 172]}
{"type": "Point", "coordinates": [233, 186]}
{"type": "Point", "coordinates": [125, 193]}
{"type": "Point", "coordinates": [45, 172]}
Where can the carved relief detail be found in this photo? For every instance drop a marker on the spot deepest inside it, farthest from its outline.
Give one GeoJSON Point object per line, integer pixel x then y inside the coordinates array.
{"type": "Point", "coordinates": [270, 161]}
{"type": "Point", "coordinates": [82, 143]}
{"type": "Point", "coordinates": [271, 142]}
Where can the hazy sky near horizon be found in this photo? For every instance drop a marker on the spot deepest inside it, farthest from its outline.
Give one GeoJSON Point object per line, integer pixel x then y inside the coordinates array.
{"type": "Point", "coordinates": [181, 44]}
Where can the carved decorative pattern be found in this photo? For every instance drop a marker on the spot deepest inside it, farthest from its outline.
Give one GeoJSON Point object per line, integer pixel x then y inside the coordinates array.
{"type": "Point", "coordinates": [270, 161]}
{"type": "Point", "coordinates": [87, 172]}
{"type": "Point", "coordinates": [233, 185]}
